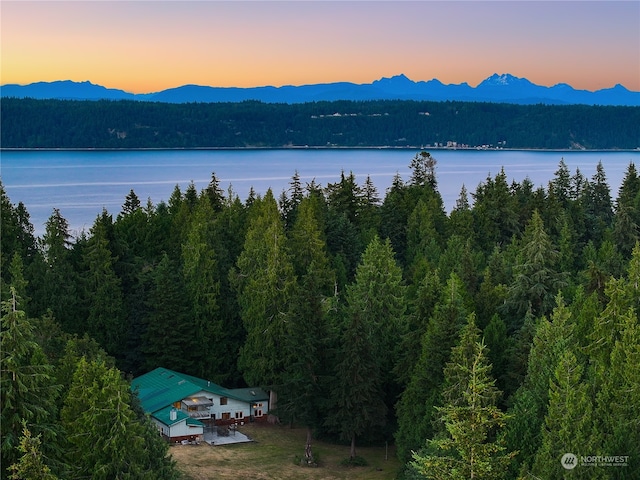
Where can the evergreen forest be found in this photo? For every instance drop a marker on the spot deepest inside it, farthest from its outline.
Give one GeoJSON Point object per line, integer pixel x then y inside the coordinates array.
{"type": "Point", "coordinates": [484, 343]}
{"type": "Point", "coordinates": [30, 123]}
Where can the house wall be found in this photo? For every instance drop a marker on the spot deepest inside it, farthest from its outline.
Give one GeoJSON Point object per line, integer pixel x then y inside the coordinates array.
{"type": "Point", "coordinates": [234, 410]}
{"type": "Point", "coordinates": [179, 431]}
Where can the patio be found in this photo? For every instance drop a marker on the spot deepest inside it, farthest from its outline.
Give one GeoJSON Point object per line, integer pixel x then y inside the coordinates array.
{"type": "Point", "coordinates": [224, 436]}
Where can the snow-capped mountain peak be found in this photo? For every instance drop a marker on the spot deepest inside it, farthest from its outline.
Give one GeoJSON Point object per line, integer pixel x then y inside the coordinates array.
{"type": "Point", "coordinates": [501, 80]}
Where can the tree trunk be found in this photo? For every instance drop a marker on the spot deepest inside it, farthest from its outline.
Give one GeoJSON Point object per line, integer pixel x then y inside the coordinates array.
{"type": "Point", "coordinates": [273, 403]}
{"type": "Point", "coordinates": [352, 453]}
{"type": "Point", "coordinates": [308, 454]}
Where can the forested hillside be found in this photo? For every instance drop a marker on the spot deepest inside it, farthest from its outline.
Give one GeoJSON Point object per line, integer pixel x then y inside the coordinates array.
{"type": "Point", "coordinates": [486, 343]}
{"type": "Point", "coordinates": [29, 123]}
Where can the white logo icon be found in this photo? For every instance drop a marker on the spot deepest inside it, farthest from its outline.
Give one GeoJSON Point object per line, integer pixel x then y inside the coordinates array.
{"type": "Point", "coordinates": [569, 461]}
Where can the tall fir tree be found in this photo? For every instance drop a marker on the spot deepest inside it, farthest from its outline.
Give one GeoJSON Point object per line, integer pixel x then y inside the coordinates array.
{"type": "Point", "coordinates": [373, 321]}
{"type": "Point", "coordinates": [596, 199]}
{"type": "Point", "coordinates": [32, 464]}
{"type": "Point", "coordinates": [27, 386]}
{"type": "Point", "coordinates": [58, 288]}
{"type": "Point", "coordinates": [201, 279]}
{"type": "Point", "coordinates": [379, 294]}
{"type": "Point", "coordinates": [303, 390]}
{"type": "Point", "coordinates": [536, 278]}
{"type": "Point", "coordinates": [106, 439]}
{"type": "Point", "coordinates": [264, 280]}
{"type": "Point", "coordinates": [553, 337]}
{"type": "Point", "coordinates": [421, 305]}
{"type": "Point", "coordinates": [494, 217]}
{"type": "Point", "coordinates": [626, 228]}
{"type": "Point", "coordinates": [469, 445]}
{"type": "Point", "coordinates": [106, 321]}
{"type": "Point", "coordinates": [416, 406]}
{"type": "Point", "coordinates": [568, 422]}
{"type": "Point", "coordinates": [303, 393]}
{"type": "Point", "coordinates": [357, 396]}
{"type": "Point", "coordinates": [169, 314]}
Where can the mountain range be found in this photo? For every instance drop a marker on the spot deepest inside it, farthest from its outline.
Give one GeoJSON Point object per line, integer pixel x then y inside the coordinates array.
{"type": "Point", "coordinates": [504, 88]}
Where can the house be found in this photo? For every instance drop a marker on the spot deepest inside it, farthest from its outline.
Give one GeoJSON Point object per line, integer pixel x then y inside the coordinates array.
{"type": "Point", "coordinates": [183, 406]}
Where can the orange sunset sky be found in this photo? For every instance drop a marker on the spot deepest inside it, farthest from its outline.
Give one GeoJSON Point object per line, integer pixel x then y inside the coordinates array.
{"type": "Point", "coordinates": [147, 46]}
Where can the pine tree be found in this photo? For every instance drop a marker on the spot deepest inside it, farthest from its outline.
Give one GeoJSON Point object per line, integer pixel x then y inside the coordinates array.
{"type": "Point", "coordinates": [394, 212]}
{"type": "Point", "coordinates": [461, 217]}
{"type": "Point", "coordinates": [265, 281]}
{"type": "Point", "coordinates": [215, 194]}
{"type": "Point", "coordinates": [380, 294]}
{"type": "Point", "coordinates": [345, 197]}
{"type": "Point", "coordinates": [561, 184]}
{"type": "Point", "coordinates": [423, 167]}
{"type": "Point", "coordinates": [303, 394]}
{"type": "Point", "coordinates": [307, 239]}
{"type": "Point", "coordinates": [343, 228]}
{"type": "Point", "coordinates": [536, 279]}
{"type": "Point", "coordinates": [18, 281]}
{"type": "Point", "coordinates": [357, 397]}
{"type": "Point", "coordinates": [103, 291]}
{"type": "Point", "coordinates": [423, 240]}
{"type": "Point", "coordinates": [131, 203]}
{"type": "Point", "coordinates": [467, 448]}
{"type": "Point", "coordinates": [596, 198]}
{"type": "Point", "coordinates": [370, 211]}
{"type": "Point", "coordinates": [495, 337]}
{"type": "Point", "coordinates": [373, 320]}
{"type": "Point", "coordinates": [58, 289]}
{"type": "Point", "coordinates": [517, 356]}
{"type": "Point", "coordinates": [494, 217]}
{"type": "Point", "coordinates": [606, 328]}
{"type": "Point", "coordinates": [27, 388]}
{"type": "Point", "coordinates": [169, 314]}
{"type": "Point", "coordinates": [31, 465]}
{"type": "Point", "coordinates": [529, 406]}
{"type": "Point", "coordinates": [614, 352]}
{"type": "Point", "coordinates": [416, 407]}
{"type": "Point", "coordinates": [568, 422]}
{"type": "Point", "coordinates": [201, 278]}
{"type": "Point", "coordinates": [461, 258]}
{"type": "Point", "coordinates": [421, 307]}
{"type": "Point", "coordinates": [229, 230]}
{"type": "Point", "coordinates": [106, 439]}
{"type": "Point", "coordinates": [618, 404]}
{"type": "Point", "coordinates": [289, 205]}
{"type": "Point", "coordinates": [626, 229]}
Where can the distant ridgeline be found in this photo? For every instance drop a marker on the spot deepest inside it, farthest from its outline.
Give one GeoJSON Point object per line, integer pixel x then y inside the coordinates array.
{"type": "Point", "coordinates": [29, 123]}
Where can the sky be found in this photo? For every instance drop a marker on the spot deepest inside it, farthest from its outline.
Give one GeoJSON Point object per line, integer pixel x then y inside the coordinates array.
{"type": "Point", "coordinates": [148, 46]}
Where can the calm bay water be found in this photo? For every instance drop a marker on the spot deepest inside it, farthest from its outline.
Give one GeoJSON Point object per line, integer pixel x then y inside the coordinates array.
{"type": "Point", "coordinates": [82, 183]}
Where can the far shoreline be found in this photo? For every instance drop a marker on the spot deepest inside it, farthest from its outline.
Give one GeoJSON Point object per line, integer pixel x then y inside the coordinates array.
{"type": "Point", "coordinates": [305, 147]}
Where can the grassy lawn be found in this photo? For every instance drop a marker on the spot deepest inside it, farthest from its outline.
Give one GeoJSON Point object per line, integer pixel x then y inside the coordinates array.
{"type": "Point", "coordinates": [271, 456]}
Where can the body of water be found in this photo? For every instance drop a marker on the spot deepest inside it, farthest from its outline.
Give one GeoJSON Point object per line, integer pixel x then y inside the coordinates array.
{"type": "Point", "coordinates": [82, 183]}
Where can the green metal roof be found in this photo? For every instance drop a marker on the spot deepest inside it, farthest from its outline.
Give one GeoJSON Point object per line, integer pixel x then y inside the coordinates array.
{"type": "Point", "coordinates": [164, 416]}
{"type": "Point", "coordinates": [160, 388]}
{"type": "Point", "coordinates": [249, 394]}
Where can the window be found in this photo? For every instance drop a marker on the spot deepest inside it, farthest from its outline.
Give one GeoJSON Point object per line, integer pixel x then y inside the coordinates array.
{"type": "Point", "coordinates": [223, 400]}
{"type": "Point", "coordinates": [226, 416]}
{"type": "Point", "coordinates": [239, 415]}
